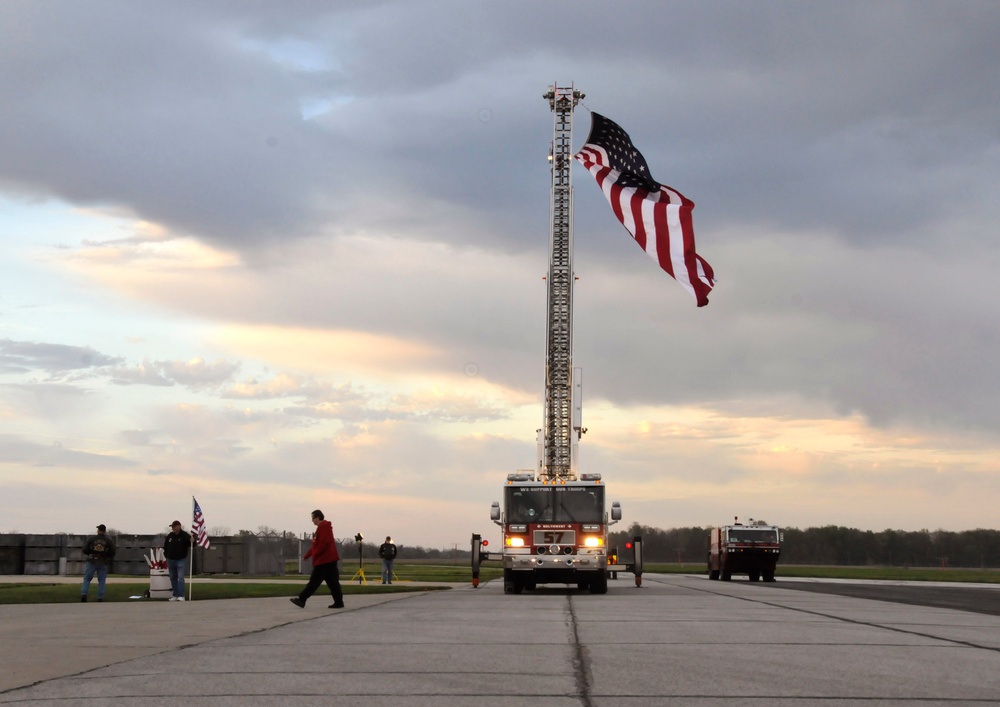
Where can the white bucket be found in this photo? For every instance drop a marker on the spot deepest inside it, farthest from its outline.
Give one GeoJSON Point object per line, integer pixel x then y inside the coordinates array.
{"type": "Point", "coordinates": [159, 585]}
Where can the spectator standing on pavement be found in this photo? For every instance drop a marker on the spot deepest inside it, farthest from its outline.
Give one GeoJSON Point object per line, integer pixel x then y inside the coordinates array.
{"type": "Point", "coordinates": [387, 551]}
{"type": "Point", "coordinates": [98, 550]}
{"type": "Point", "coordinates": [176, 547]}
{"type": "Point", "coordinates": [324, 561]}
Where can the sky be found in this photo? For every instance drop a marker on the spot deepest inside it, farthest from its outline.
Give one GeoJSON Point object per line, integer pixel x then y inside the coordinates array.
{"type": "Point", "coordinates": [290, 256]}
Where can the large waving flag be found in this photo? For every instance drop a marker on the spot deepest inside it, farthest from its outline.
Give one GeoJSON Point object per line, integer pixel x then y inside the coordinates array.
{"type": "Point", "coordinates": [658, 217]}
{"type": "Point", "coordinates": [198, 525]}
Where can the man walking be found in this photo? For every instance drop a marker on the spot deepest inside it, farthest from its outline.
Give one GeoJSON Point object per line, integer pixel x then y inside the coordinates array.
{"type": "Point", "coordinates": [175, 548]}
{"type": "Point", "coordinates": [324, 559]}
{"type": "Point", "coordinates": [387, 551]}
{"type": "Point", "coordinates": [98, 550]}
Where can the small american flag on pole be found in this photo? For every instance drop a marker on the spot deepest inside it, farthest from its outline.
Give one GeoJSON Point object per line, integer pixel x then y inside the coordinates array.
{"type": "Point", "coordinates": [658, 217]}
{"type": "Point", "coordinates": [198, 526]}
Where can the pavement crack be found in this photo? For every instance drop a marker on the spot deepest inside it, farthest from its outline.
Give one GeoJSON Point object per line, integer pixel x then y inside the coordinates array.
{"type": "Point", "coordinates": [858, 622]}
{"type": "Point", "coordinates": [581, 660]}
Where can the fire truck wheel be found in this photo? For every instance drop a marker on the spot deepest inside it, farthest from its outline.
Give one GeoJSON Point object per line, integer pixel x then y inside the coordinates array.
{"type": "Point", "coordinates": [508, 582]}
{"type": "Point", "coordinates": [713, 574]}
{"type": "Point", "coordinates": [726, 576]}
{"type": "Point", "coordinates": [769, 576]}
{"type": "Point", "coordinates": [599, 584]}
{"type": "Point", "coordinates": [754, 576]}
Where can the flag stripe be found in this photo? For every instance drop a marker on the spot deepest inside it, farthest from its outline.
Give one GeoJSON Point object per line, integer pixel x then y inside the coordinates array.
{"type": "Point", "coordinates": [198, 526]}
{"type": "Point", "coordinates": [659, 221]}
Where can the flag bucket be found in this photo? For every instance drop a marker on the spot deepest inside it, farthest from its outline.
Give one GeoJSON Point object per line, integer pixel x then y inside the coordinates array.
{"type": "Point", "coordinates": [159, 577]}
{"type": "Point", "coordinates": [159, 584]}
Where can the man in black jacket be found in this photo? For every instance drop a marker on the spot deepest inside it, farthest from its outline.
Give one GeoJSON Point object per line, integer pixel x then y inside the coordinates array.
{"type": "Point", "coordinates": [98, 550]}
{"type": "Point", "coordinates": [387, 551]}
{"type": "Point", "coordinates": [175, 548]}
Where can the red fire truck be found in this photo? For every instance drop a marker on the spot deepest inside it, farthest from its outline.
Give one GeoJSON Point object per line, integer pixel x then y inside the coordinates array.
{"type": "Point", "coordinates": [554, 519]}
{"type": "Point", "coordinates": [554, 532]}
{"type": "Point", "coordinates": [751, 549]}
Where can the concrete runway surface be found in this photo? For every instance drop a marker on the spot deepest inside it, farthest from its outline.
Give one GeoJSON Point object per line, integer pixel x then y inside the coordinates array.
{"type": "Point", "coordinates": [680, 640]}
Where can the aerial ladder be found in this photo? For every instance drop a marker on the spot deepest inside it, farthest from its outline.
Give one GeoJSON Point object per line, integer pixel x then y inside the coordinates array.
{"type": "Point", "coordinates": [558, 459]}
{"type": "Point", "coordinates": [554, 519]}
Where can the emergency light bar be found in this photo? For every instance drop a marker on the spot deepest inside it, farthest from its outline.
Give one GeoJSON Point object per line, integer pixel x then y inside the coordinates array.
{"type": "Point", "coordinates": [520, 477]}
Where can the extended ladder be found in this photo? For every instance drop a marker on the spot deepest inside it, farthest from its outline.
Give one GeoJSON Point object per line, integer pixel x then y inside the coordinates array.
{"type": "Point", "coordinates": [557, 442]}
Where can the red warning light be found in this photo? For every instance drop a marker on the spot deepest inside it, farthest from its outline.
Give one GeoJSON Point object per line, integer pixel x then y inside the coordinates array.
{"type": "Point", "coordinates": [628, 546]}
{"type": "Point", "coordinates": [485, 543]}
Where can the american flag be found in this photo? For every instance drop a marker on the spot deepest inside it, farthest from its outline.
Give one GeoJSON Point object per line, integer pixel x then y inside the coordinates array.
{"type": "Point", "coordinates": [198, 526]}
{"type": "Point", "coordinates": [658, 217]}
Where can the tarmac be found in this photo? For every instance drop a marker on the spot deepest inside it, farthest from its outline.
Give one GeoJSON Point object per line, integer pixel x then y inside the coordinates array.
{"type": "Point", "coordinates": [678, 640]}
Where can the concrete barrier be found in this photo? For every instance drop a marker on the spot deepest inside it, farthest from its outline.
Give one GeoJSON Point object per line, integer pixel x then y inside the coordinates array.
{"type": "Point", "coordinates": [42, 553]}
{"type": "Point", "coordinates": [11, 554]}
{"type": "Point", "coordinates": [60, 554]}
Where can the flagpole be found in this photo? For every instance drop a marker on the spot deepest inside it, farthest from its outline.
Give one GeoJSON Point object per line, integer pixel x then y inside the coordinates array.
{"type": "Point", "coordinates": [191, 557]}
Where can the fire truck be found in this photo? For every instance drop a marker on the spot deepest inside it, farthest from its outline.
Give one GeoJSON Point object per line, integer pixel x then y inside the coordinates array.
{"type": "Point", "coordinates": [751, 549]}
{"type": "Point", "coordinates": [555, 520]}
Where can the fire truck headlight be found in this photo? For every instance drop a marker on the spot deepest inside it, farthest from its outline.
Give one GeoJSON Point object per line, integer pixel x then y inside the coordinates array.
{"type": "Point", "coordinates": [592, 541]}
{"type": "Point", "coordinates": [515, 542]}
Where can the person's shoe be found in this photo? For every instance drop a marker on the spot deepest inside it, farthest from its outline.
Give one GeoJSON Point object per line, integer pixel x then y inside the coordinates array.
{"type": "Point", "coordinates": [180, 598]}
{"type": "Point", "coordinates": [173, 598]}
{"type": "Point", "coordinates": [383, 581]}
{"type": "Point", "coordinates": [99, 601]}
{"type": "Point", "coordinates": [337, 605]}
{"type": "Point", "coordinates": [83, 597]}
{"type": "Point", "coordinates": [390, 582]}
{"type": "Point", "coordinates": [298, 602]}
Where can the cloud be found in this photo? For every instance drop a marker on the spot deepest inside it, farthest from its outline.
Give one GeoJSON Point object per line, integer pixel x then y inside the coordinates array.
{"type": "Point", "coordinates": [56, 359]}
{"type": "Point", "coordinates": [15, 450]}
{"type": "Point", "coordinates": [196, 374]}
{"type": "Point", "coordinates": [46, 401]}
{"type": "Point", "coordinates": [755, 98]}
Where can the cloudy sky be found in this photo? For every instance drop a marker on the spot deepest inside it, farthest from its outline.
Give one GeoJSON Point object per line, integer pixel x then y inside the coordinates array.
{"type": "Point", "coordinates": [285, 256]}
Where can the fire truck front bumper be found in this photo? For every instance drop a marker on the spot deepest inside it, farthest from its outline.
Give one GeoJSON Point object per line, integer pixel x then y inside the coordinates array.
{"type": "Point", "coordinates": [578, 563]}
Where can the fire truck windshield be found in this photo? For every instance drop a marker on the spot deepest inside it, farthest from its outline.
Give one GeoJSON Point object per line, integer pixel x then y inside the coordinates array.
{"type": "Point", "coordinates": [554, 504]}
{"type": "Point", "coordinates": [753, 535]}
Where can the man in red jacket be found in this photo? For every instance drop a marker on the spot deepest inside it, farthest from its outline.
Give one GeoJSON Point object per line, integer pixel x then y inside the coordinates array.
{"type": "Point", "coordinates": [324, 559]}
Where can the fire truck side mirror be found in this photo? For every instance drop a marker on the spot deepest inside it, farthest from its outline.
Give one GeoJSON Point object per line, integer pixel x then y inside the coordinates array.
{"type": "Point", "coordinates": [616, 511]}
{"type": "Point", "coordinates": [495, 512]}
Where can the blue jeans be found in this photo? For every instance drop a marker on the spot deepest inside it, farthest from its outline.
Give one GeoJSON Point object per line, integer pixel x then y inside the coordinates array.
{"type": "Point", "coordinates": [387, 571]}
{"type": "Point", "coordinates": [175, 568]}
{"type": "Point", "coordinates": [89, 570]}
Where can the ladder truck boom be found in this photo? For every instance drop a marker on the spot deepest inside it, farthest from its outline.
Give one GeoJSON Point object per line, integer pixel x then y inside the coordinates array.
{"type": "Point", "coordinates": [557, 460]}
{"type": "Point", "coordinates": [554, 519]}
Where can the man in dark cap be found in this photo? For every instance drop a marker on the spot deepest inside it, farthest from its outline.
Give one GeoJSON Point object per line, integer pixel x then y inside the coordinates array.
{"type": "Point", "coordinates": [175, 549]}
{"type": "Point", "coordinates": [98, 550]}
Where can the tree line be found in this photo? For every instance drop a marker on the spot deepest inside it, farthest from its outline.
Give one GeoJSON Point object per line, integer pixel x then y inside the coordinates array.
{"type": "Point", "coordinates": [832, 545]}
{"type": "Point", "coordinates": [349, 549]}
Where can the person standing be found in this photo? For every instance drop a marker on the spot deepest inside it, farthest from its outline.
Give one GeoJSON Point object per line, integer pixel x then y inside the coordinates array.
{"type": "Point", "coordinates": [324, 561]}
{"type": "Point", "coordinates": [387, 551]}
{"type": "Point", "coordinates": [176, 547]}
{"type": "Point", "coordinates": [98, 550]}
